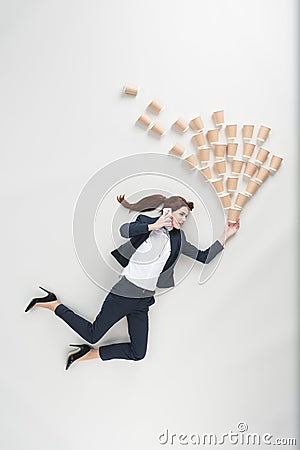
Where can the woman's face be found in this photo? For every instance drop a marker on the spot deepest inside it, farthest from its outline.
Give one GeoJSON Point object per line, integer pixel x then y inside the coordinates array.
{"type": "Point", "coordinates": [181, 215]}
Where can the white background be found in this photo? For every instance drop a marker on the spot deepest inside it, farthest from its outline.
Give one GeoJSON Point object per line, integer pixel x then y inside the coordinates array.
{"type": "Point", "coordinates": [218, 353]}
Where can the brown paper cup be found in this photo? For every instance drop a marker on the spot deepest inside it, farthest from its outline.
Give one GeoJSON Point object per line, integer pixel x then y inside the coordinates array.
{"type": "Point", "coordinates": [199, 139]}
{"type": "Point", "coordinates": [156, 106]}
{"type": "Point", "coordinates": [275, 163]}
{"type": "Point", "coordinates": [197, 124]}
{"type": "Point", "coordinates": [261, 156]}
{"type": "Point", "coordinates": [206, 172]}
{"type": "Point", "coordinates": [233, 214]}
{"type": "Point", "coordinates": [247, 132]}
{"type": "Point", "coordinates": [158, 129]}
{"type": "Point", "coordinates": [262, 174]}
{"type": "Point", "coordinates": [231, 131]}
{"type": "Point", "coordinates": [204, 154]}
{"type": "Point", "coordinates": [218, 185]}
{"type": "Point", "coordinates": [248, 150]}
{"type": "Point", "coordinates": [178, 149]}
{"type": "Point", "coordinates": [220, 167]}
{"type": "Point", "coordinates": [232, 183]}
{"type": "Point", "coordinates": [232, 149]}
{"type": "Point", "coordinates": [263, 133]}
{"type": "Point", "coordinates": [236, 166]}
{"type": "Point", "coordinates": [220, 150]}
{"type": "Point", "coordinates": [250, 169]}
{"type": "Point", "coordinates": [252, 187]}
{"type": "Point", "coordinates": [180, 125]}
{"type": "Point", "coordinates": [212, 135]}
{"type": "Point", "coordinates": [241, 200]}
{"type": "Point", "coordinates": [130, 89]}
{"type": "Point", "coordinates": [145, 120]}
{"type": "Point", "coordinates": [192, 160]}
{"type": "Point", "coordinates": [218, 117]}
{"type": "Point", "coordinates": [225, 200]}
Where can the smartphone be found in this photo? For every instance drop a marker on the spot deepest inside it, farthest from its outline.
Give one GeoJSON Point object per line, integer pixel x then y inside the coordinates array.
{"type": "Point", "coordinates": [169, 211]}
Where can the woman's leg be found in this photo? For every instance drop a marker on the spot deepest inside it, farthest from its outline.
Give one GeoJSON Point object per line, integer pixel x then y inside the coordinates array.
{"type": "Point", "coordinates": [135, 349]}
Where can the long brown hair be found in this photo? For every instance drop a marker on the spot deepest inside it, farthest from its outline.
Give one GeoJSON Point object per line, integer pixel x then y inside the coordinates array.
{"type": "Point", "coordinates": [151, 202]}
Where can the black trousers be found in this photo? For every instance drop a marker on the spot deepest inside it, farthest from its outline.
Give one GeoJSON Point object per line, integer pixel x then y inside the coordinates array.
{"type": "Point", "coordinates": [114, 308]}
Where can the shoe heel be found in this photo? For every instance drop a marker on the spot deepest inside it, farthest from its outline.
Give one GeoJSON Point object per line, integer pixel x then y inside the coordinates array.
{"type": "Point", "coordinates": [48, 292]}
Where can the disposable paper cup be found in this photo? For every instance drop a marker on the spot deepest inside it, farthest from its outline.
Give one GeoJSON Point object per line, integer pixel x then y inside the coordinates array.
{"type": "Point", "coordinates": [213, 135]}
{"type": "Point", "coordinates": [232, 149]}
{"type": "Point", "coordinates": [250, 169]}
{"type": "Point", "coordinates": [131, 89]}
{"type": "Point", "coordinates": [199, 139]}
{"type": "Point", "coordinates": [241, 200]}
{"type": "Point", "coordinates": [220, 167]}
{"type": "Point", "coordinates": [232, 183]}
{"type": "Point", "coordinates": [252, 187]}
{"type": "Point", "coordinates": [197, 124]}
{"type": "Point", "coordinates": [261, 156]}
{"type": "Point", "coordinates": [262, 174]}
{"type": "Point", "coordinates": [220, 150]}
{"type": "Point", "coordinates": [236, 166]}
{"type": "Point", "coordinates": [218, 117]}
{"type": "Point", "coordinates": [263, 133]}
{"type": "Point", "coordinates": [156, 106]}
{"type": "Point", "coordinates": [158, 129]}
{"type": "Point", "coordinates": [192, 160]}
{"type": "Point", "coordinates": [231, 131]}
{"type": "Point", "coordinates": [225, 200]}
{"type": "Point", "coordinates": [178, 149]}
{"type": "Point", "coordinates": [233, 214]}
{"type": "Point", "coordinates": [218, 185]}
{"type": "Point", "coordinates": [247, 132]}
{"type": "Point", "coordinates": [204, 154]}
{"type": "Point", "coordinates": [248, 150]}
{"type": "Point", "coordinates": [145, 120]}
{"type": "Point", "coordinates": [275, 163]}
{"type": "Point", "coordinates": [181, 125]}
{"type": "Point", "coordinates": [206, 172]}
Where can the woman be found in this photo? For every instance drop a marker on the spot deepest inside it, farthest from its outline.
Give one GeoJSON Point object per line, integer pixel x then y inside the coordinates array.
{"type": "Point", "coordinates": [148, 258]}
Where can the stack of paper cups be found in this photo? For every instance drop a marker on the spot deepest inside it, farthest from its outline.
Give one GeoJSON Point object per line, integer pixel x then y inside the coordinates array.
{"type": "Point", "coordinates": [250, 169]}
{"type": "Point", "coordinates": [262, 174]}
{"type": "Point", "coordinates": [275, 163]}
{"type": "Point", "coordinates": [248, 150]}
{"type": "Point", "coordinates": [156, 106]}
{"type": "Point", "coordinates": [225, 200]}
{"type": "Point", "coordinates": [206, 172]}
{"type": "Point", "coordinates": [241, 200]}
{"type": "Point", "coordinates": [220, 150]}
{"type": "Point", "coordinates": [220, 167]}
{"type": "Point", "coordinates": [231, 150]}
{"type": "Point", "coordinates": [252, 187]}
{"type": "Point", "coordinates": [218, 185]}
{"type": "Point", "coordinates": [178, 149]}
{"type": "Point", "coordinates": [232, 183]}
{"type": "Point", "coordinates": [130, 89]}
{"type": "Point", "coordinates": [218, 117]}
{"type": "Point", "coordinates": [247, 132]}
{"type": "Point", "coordinates": [231, 132]}
{"type": "Point", "coordinates": [180, 125]}
{"type": "Point", "coordinates": [261, 156]}
{"type": "Point", "coordinates": [233, 214]}
{"type": "Point", "coordinates": [236, 166]}
{"type": "Point", "coordinates": [204, 155]}
{"type": "Point", "coordinates": [199, 140]}
{"type": "Point", "coordinates": [192, 160]}
{"type": "Point", "coordinates": [197, 124]}
{"type": "Point", "coordinates": [263, 133]}
{"type": "Point", "coordinates": [213, 135]}
{"type": "Point", "coordinates": [145, 121]}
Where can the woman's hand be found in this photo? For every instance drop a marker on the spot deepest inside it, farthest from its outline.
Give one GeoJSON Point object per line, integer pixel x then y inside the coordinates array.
{"type": "Point", "coordinates": [165, 220]}
{"type": "Point", "coordinates": [230, 230]}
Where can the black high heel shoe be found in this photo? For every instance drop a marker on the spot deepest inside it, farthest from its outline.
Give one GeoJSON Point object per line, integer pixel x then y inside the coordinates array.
{"type": "Point", "coordinates": [83, 350]}
{"type": "Point", "coordinates": [48, 298]}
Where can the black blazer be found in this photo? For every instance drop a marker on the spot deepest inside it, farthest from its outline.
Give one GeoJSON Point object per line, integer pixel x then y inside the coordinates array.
{"type": "Point", "coordinates": [138, 232]}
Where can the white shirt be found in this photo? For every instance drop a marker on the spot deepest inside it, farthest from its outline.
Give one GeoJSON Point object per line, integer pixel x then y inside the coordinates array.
{"type": "Point", "coordinates": [148, 261]}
